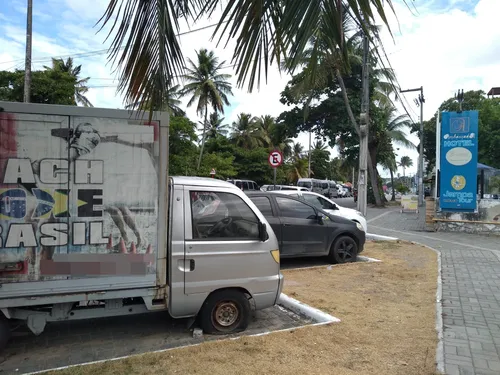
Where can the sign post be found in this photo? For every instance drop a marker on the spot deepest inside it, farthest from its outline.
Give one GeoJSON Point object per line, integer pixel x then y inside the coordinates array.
{"type": "Point", "coordinates": [458, 161]}
{"type": "Point", "coordinates": [212, 172]}
{"type": "Point", "coordinates": [275, 159]}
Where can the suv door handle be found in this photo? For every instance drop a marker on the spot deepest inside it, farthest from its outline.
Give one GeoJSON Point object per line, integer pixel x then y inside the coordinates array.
{"type": "Point", "coordinates": [287, 224]}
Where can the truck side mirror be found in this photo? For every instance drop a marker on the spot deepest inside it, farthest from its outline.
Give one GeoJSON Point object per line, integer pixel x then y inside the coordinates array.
{"type": "Point", "coordinates": [262, 232]}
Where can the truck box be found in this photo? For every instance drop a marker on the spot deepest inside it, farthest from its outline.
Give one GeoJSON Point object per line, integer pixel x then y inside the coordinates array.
{"type": "Point", "coordinates": [80, 203]}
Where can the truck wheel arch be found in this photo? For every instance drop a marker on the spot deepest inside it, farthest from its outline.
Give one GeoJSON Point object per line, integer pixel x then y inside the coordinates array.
{"type": "Point", "coordinates": [239, 298]}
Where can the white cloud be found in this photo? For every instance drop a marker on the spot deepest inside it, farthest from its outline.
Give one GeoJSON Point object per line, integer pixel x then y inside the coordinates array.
{"type": "Point", "coordinates": [442, 50]}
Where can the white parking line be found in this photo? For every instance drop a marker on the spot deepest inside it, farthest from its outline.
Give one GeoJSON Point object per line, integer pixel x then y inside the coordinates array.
{"type": "Point", "coordinates": [378, 217]}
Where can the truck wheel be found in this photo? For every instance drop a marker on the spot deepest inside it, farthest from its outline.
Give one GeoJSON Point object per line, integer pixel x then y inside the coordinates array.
{"type": "Point", "coordinates": [4, 332]}
{"type": "Point", "coordinates": [343, 250]}
{"type": "Point", "coordinates": [225, 311]}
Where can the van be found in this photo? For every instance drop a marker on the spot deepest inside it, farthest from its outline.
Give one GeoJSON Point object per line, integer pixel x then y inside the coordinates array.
{"type": "Point", "coordinates": [311, 184]}
{"type": "Point", "coordinates": [245, 185]}
{"type": "Point", "coordinates": [93, 226]}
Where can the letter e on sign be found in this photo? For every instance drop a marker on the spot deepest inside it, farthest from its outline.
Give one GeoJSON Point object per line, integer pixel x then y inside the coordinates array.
{"type": "Point", "coordinates": [275, 159]}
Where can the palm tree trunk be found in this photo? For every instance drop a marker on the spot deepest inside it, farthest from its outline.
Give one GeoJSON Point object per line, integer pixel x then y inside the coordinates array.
{"type": "Point", "coordinates": [343, 90]}
{"type": "Point", "coordinates": [203, 138]}
{"type": "Point", "coordinates": [371, 171]}
{"type": "Point", "coordinates": [393, 198]}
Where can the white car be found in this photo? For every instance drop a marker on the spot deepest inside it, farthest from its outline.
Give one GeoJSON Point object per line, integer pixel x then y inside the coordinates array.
{"type": "Point", "coordinates": [327, 205]}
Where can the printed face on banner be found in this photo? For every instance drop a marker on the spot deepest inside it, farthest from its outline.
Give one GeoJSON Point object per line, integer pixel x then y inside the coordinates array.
{"type": "Point", "coordinates": [74, 185]}
{"type": "Point", "coordinates": [458, 175]}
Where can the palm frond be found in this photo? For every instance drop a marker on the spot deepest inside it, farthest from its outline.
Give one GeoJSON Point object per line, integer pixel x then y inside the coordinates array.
{"type": "Point", "coordinates": [147, 33]}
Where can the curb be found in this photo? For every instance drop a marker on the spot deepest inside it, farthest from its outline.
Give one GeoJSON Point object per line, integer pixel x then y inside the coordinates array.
{"type": "Point", "coordinates": [439, 312]}
{"type": "Point", "coordinates": [378, 237]}
{"type": "Point", "coordinates": [300, 308]}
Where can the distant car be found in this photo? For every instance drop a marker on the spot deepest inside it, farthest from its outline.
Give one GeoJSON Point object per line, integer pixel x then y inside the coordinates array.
{"type": "Point", "coordinates": [329, 206]}
{"type": "Point", "coordinates": [245, 185]}
{"type": "Point", "coordinates": [284, 187]}
{"type": "Point", "coordinates": [305, 231]}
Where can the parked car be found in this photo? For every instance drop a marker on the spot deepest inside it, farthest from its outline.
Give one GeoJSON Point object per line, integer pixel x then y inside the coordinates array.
{"type": "Point", "coordinates": [245, 185]}
{"type": "Point", "coordinates": [342, 192]}
{"type": "Point", "coordinates": [284, 187]}
{"type": "Point", "coordinates": [332, 190]}
{"type": "Point", "coordinates": [304, 230]}
{"type": "Point", "coordinates": [329, 206]}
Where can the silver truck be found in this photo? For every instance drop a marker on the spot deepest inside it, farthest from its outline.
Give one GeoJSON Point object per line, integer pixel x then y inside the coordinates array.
{"type": "Point", "coordinates": [91, 225]}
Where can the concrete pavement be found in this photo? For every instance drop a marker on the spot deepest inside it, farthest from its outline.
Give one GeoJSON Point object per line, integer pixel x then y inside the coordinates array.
{"type": "Point", "coordinates": [470, 287]}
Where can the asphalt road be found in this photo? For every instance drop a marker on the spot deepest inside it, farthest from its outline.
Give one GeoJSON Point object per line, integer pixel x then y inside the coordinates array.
{"type": "Point", "coordinates": [345, 202]}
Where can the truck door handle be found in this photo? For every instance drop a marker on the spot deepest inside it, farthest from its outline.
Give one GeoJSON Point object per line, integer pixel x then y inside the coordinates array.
{"type": "Point", "coordinates": [191, 264]}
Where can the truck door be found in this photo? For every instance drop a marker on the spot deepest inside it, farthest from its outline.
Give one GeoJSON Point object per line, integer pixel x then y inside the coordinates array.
{"type": "Point", "coordinates": [222, 246]}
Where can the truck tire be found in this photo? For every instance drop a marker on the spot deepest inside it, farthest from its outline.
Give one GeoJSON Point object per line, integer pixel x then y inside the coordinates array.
{"type": "Point", "coordinates": [343, 250]}
{"type": "Point", "coordinates": [224, 312]}
{"type": "Point", "coordinates": [4, 332]}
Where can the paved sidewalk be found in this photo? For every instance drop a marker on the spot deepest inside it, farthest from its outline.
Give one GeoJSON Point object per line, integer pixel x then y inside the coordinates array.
{"type": "Point", "coordinates": [471, 289]}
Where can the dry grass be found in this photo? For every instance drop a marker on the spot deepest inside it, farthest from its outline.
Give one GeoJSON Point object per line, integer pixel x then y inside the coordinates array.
{"type": "Point", "coordinates": [388, 318]}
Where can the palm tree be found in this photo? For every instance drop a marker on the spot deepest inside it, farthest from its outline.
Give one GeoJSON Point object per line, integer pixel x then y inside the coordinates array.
{"type": "Point", "coordinates": [265, 125]}
{"type": "Point", "coordinates": [298, 163]}
{"type": "Point", "coordinates": [206, 85]}
{"type": "Point", "coordinates": [216, 127]}
{"type": "Point", "coordinates": [395, 125]}
{"type": "Point", "coordinates": [390, 163]}
{"type": "Point", "coordinates": [246, 132]}
{"type": "Point", "coordinates": [325, 61]}
{"type": "Point", "coordinates": [145, 44]}
{"type": "Point", "coordinates": [405, 162]}
{"type": "Point", "coordinates": [80, 83]}
{"type": "Point", "coordinates": [169, 103]}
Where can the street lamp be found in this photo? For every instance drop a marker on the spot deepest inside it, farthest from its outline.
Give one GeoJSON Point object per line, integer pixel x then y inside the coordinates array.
{"type": "Point", "coordinates": [421, 101]}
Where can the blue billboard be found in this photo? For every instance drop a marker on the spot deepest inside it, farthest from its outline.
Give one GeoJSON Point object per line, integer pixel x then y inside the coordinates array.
{"type": "Point", "coordinates": [458, 172]}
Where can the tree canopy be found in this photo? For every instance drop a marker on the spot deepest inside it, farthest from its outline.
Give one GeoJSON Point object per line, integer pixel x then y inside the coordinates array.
{"type": "Point", "coordinates": [489, 128]}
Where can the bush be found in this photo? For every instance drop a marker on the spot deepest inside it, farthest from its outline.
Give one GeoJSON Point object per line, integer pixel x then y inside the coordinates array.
{"type": "Point", "coordinates": [403, 189]}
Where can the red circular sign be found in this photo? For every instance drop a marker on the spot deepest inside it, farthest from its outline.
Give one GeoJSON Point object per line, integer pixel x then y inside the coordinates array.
{"type": "Point", "coordinates": [275, 158]}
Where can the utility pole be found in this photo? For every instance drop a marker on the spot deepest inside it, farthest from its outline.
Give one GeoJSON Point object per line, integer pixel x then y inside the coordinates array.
{"type": "Point", "coordinates": [309, 166]}
{"type": "Point", "coordinates": [420, 102]}
{"type": "Point", "coordinates": [364, 122]}
{"type": "Point", "coordinates": [27, 63]}
{"type": "Point", "coordinates": [460, 99]}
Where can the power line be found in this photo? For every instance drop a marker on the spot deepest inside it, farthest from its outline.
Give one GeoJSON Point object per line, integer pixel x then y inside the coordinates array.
{"type": "Point", "coordinates": [99, 51]}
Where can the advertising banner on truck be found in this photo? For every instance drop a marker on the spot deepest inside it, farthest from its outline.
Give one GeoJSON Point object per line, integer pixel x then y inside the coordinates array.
{"type": "Point", "coordinates": [78, 197]}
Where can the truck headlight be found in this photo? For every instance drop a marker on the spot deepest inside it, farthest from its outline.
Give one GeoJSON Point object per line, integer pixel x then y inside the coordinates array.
{"type": "Point", "coordinates": [360, 227]}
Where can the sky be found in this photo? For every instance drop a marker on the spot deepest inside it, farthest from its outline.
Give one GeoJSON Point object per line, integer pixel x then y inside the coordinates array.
{"type": "Point", "coordinates": [442, 45]}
